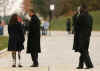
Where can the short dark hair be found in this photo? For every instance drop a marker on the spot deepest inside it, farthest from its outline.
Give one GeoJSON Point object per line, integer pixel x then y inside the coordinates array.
{"type": "Point", "coordinates": [31, 10]}
{"type": "Point", "coordinates": [68, 19]}
{"type": "Point", "coordinates": [84, 6]}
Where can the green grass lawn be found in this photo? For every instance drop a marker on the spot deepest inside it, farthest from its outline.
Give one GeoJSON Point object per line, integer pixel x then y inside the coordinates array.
{"type": "Point", "coordinates": [3, 42]}
{"type": "Point", "coordinates": [60, 23]}
{"type": "Point", "coordinates": [96, 17]}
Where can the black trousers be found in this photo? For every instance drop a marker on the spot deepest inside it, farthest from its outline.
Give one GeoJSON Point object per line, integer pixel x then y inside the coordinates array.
{"type": "Point", "coordinates": [34, 58]}
{"type": "Point", "coordinates": [85, 59]}
{"type": "Point", "coordinates": [44, 31]}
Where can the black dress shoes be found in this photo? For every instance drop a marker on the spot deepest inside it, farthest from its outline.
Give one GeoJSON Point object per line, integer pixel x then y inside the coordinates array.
{"type": "Point", "coordinates": [20, 66]}
{"type": "Point", "coordinates": [13, 66]}
{"type": "Point", "coordinates": [89, 67]}
{"type": "Point", "coordinates": [34, 65]}
{"type": "Point", "coordinates": [85, 68]}
{"type": "Point", "coordinates": [79, 68]}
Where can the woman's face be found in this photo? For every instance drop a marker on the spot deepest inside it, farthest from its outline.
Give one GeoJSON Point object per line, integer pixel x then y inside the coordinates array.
{"type": "Point", "coordinates": [30, 14]}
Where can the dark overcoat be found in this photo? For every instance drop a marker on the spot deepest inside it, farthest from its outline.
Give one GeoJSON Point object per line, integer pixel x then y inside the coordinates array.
{"type": "Point", "coordinates": [83, 32]}
{"type": "Point", "coordinates": [75, 20]}
{"type": "Point", "coordinates": [33, 44]}
{"type": "Point", "coordinates": [16, 37]}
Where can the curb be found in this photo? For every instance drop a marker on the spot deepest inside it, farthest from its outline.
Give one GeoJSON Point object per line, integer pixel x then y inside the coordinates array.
{"type": "Point", "coordinates": [2, 51]}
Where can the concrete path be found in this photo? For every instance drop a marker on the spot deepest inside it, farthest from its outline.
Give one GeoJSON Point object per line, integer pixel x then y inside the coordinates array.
{"type": "Point", "coordinates": [57, 54]}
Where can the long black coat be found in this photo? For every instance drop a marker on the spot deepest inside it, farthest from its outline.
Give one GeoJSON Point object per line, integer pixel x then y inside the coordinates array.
{"type": "Point", "coordinates": [82, 32]}
{"type": "Point", "coordinates": [16, 37]}
{"type": "Point", "coordinates": [75, 21]}
{"type": "Point", "coordinates": [33, 44]}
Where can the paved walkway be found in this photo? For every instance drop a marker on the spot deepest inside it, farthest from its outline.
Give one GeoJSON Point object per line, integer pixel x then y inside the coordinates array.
{"type": "Point", "coordinates": [57, 54]}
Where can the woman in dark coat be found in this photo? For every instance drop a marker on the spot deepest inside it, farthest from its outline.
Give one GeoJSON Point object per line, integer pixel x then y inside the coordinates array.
{"type": "Point", "coordinates": [33, 44]}
{"type": "Point", "coordinates": [16, 38]}
{"type": "Point", "coordinates": [82, 39]}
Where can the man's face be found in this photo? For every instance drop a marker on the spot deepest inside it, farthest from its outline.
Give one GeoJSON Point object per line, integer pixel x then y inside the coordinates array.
{"type": "Point", "coordinates": [31, 13]}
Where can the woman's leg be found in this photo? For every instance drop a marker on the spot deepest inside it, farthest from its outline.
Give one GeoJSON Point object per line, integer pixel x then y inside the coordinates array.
{"type": "Point", "coordinates": [14, 58]}
{"type": "Point", "coordinates": [19, 57]}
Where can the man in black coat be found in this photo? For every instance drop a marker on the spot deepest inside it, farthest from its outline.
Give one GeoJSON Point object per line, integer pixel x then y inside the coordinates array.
{"type": "Point", "coordinates": [82, 39]}
{"type": "Point", "coordinates": [33, 44]}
